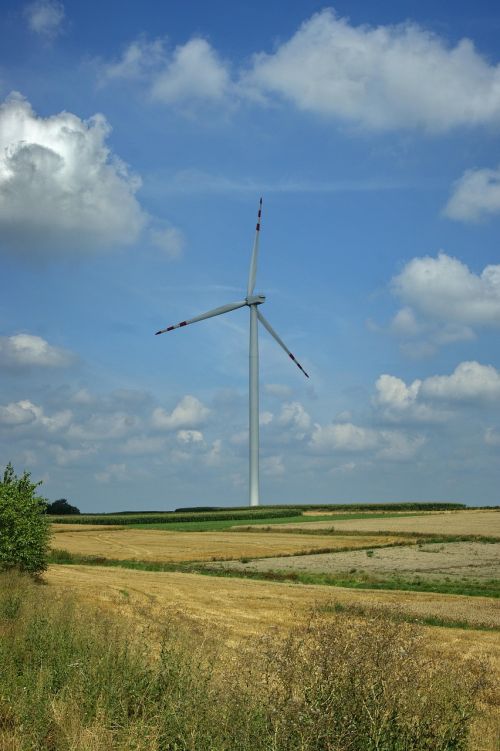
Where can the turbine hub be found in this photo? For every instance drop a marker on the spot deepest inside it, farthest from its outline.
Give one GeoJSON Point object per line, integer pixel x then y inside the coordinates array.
{"type": "Point", "coordinates": [255, 299]}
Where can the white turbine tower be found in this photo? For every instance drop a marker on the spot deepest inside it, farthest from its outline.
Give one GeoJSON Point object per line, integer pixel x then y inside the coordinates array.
{"type": "Point", "coordinates": [252, 301]}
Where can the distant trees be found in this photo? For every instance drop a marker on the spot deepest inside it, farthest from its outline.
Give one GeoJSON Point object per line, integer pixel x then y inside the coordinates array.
{"type": "Point", "coordinates": [24, 527]}
{"type": "Point", "coordinates": [60, 507]}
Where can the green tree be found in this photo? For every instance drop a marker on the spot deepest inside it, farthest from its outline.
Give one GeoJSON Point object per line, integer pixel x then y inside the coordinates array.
{"type": "Point", "coordinates": [24, 528]}
{"type": "Point", "coordinates": [60, 507]}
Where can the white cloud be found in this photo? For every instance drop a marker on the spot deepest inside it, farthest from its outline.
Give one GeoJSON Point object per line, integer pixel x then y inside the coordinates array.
{"type": "Point", "coordinates": [343, 437]}
{"type": "Point", "coordinates": [470, 381]}
{"type": "Point", "coordinates": [265, 418]}
{"type": "Point", "coordinates": [293, 415]}
{"type": "Point", "coordinates": [139, 59]}
{"type": "Point", "coordinates": [45, 17]}
{"type": "Point", "coordinates": [26, 350]}
{"type": "Point", "coordinates": [24, 412]}
{"type": "Point", "coordinates": [61, 189]}
{"type": "Point", "coordinates": [65, 456]}
{"type": "Point", "coordinates": [194, 71]}
{"type": "Point", "coordinates": [189, 413]}
{"type": "Point", "coordinates": [398, 401]}
{"type": "Point", "coordinates": [391, 445]}
{"type": "Point", "coordinates": [450, 299]}
{"type": "Point", "coordinates": [475, 196]}
{"type": "Point", "coordinates": [273, 466]}
{"type": "Point", "coordinates": [101, 426]}
{"type": "Point", "coordinates": [190, 436]}
{"type": "Point", "coordinates": [114, 472]}
{"type": "Point", "coordinates": [381, 77]}
{"type": "Point", "coordinates": [427, 400]}
{"type": "Point", "coordinates": [213, 456]}
{"type": "Point", "coordinates": [170, 241]}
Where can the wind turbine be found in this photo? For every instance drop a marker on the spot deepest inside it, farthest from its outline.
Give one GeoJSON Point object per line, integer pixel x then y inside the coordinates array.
{"type": "Point", "coordinates": [251, 301]}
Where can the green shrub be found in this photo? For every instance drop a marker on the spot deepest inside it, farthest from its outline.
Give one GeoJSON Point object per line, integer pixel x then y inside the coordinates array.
{"type": "Point", "coordinates": [24, 528]}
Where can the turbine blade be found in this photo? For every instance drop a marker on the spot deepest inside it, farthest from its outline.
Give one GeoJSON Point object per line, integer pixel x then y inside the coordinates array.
{"type": "Point", "coordinates": [209, 314]}
{"type": "Point", "coordinates": [255, 254]}
{"type": "Point", "coordinates": [280, 341]}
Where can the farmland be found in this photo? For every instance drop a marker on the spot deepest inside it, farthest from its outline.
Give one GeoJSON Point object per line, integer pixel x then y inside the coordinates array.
{"type": "Point", "coordinates": [229, 583]}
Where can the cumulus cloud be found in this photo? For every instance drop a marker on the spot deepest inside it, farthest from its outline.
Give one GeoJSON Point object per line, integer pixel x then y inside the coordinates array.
{"type": "Point", "coordinates": [470, 381]}
{"type": "Point", "coordinates": [61, 188]}
{"type": "Point", "coordinates": [475, 196]}
{"type": "Point", "coordinates": [294, 416]}
{"type": "Point", "coordinates": [399, 402]}
{"type": "Point", "coordinates": [190, 436]}
{"type": "Point", "coordinates": [429, 400]}
{"type": "Point", "coordinates": [45, 18]}
{"type": "Point", "coordinates": [195, 71]}
{"type": "Point", "coordinates": [28, 350]}
{"type": "Point", "coordinates": [191, 72]}
{"type": "Point", "coordinates": [25, 412]}
{"type": "Point", "coordinates": [139, 59]}
{"type": "Point", "coordinates": [391, 445]}
{"type": "Point", "coordinates": [189, 413]}
{"type": "Point", "coordinates": [444, 302]}
{"type": "Point", "coordinates": [384, 77]}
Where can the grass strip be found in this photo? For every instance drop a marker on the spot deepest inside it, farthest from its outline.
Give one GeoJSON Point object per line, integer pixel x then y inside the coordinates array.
{"type": "Point", "coordinates": [474, 589]}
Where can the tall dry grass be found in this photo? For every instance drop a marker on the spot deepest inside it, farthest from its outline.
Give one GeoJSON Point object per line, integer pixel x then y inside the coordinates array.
{"type": "Point", "coordinates": [71, 678]}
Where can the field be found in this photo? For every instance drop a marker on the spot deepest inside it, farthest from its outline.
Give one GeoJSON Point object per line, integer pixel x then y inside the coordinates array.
{"type": "Point", "coordinates": [228, 584]}
{"type": "Point", "coordinates": [471, 522]}
{"type": "Point", "coordinates": [154, 545]}
{"type": "Point", "coordinates": [433, 561]}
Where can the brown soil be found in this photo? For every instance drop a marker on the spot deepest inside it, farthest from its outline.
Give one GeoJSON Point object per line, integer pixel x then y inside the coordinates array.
{"type": "Point", "coordinates": [471, 560]}
{"type": "Point", "coordinates": [157, 545]}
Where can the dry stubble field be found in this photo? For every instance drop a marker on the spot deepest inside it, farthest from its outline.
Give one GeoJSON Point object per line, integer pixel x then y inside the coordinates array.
{"type": "Point", "coordinates": [456, 560]}
{"type": "Point", "coordinates": [239, 611]}
{"type": "Point", "coordinates": [471, 522]}
{"type": "Point", "coordinates": [121, 543]}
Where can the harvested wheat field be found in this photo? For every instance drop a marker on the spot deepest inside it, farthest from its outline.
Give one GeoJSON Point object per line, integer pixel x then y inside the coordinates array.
{"type": "Point", "coordinates": [242, 607]}
{"type": "Point", "coordinates": [157, 545]}
{"type": "Point", "coordinates": [486, 523]}
{"type": "Point", "coordinates": [457, 560]}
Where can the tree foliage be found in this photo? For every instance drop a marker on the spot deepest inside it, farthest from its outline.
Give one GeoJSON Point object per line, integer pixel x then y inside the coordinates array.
{"type": "Point", "coordinates": [61, 506]}
{"type": "Point", "coordinates": [24, 528]}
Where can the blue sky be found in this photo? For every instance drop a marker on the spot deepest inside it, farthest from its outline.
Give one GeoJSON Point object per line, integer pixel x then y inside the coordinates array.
{"type": "Point", "coordinates": [135, 142]}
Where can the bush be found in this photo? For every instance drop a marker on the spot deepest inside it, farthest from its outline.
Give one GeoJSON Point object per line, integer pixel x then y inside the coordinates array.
{"type": "Point", "coordinates": [24, 529]}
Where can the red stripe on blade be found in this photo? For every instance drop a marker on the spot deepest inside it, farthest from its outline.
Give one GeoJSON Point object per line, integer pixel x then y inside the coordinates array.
{"type": "Point", "coordinates": [183, 323]}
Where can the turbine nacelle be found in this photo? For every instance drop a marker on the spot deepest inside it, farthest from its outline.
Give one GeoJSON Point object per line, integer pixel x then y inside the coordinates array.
{"type": "Point", "coordinates": [255, 299]}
